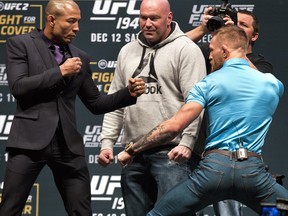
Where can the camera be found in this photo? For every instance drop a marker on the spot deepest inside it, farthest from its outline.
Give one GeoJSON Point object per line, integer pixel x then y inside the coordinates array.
{"type": "Point", "coordinates": [219, 13]}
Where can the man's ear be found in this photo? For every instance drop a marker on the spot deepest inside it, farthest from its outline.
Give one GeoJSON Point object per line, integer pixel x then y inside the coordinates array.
{"type": "Point", "coordinates": [170, 18]}
{"type": "Point", "coordinates": [254, 37]}
{"type": "Point", "coordinates": [225, 51]}
{"type": "Point", "coordinates": [51, 20]}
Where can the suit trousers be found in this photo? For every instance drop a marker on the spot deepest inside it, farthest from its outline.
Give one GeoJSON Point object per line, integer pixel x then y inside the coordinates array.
{"type": "Point", "coordinates": [70, 173]}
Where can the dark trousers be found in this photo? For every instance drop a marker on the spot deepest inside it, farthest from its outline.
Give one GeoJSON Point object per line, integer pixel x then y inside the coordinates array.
{"type": "Point", "coordinates": [70, 173]}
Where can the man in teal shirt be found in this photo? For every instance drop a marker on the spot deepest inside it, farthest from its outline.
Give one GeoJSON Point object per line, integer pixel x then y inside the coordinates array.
{"type": "Point", "coordinates": [239, 102]}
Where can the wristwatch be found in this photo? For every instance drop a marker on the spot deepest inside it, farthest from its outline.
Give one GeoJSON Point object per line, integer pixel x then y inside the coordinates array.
{"type": "Point", "coordinates": [129, 150]}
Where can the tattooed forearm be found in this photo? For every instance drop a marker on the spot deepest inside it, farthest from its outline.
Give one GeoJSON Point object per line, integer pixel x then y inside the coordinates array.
{"type": "Point", "coordinates": [160, 135]}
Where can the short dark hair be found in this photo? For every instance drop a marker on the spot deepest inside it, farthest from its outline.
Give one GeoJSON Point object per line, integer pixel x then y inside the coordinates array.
{"type": "Point", "coordinates": [255, 20]}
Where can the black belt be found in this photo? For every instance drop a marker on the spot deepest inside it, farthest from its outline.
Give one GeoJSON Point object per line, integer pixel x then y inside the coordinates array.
{"type": "Point", "coordinates": [230, 154]}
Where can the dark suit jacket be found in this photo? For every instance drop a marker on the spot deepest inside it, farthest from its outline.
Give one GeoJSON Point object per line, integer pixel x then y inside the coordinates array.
{"type": "Point", "coordinates": [44, 98]}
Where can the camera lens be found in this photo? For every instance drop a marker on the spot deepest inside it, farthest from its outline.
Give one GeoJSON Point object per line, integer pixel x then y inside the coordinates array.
{"type": "Point", "coordinates": [215, 23]}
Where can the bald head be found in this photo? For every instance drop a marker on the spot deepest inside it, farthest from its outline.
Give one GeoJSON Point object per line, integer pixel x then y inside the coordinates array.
{"type": "Point", "coordinates": [155, 20]}
{"type": "Point", "coordinates": [62, 20]}
{"type": "Point", "coordinates": [163, 4]}
{"type": "Point", "coordinates": [56, 7]}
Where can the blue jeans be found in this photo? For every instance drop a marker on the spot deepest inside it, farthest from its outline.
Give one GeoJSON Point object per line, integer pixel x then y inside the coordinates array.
{"type": "Point", "coordinates": [219, 178]}
{"type": "Point", "coordinates": [149, 176]}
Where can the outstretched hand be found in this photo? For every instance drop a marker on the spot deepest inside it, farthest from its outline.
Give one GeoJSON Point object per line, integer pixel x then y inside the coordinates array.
{"type": "Point", "coordinates": [136, 87]}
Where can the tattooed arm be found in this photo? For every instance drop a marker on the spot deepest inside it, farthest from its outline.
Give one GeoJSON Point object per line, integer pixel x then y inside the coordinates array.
{"type": "Point", "coordinates": [164, 132]}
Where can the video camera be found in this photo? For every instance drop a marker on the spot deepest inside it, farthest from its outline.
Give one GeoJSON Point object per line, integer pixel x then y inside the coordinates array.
{"type": "Point", "coordinates": [219, 13]}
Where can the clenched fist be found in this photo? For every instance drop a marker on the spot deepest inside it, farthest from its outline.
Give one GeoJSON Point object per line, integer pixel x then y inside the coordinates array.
{"type": "Point", "coordinates": [136, 87]}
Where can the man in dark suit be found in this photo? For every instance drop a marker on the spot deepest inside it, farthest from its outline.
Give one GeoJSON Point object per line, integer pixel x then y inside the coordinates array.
{"type": "Point", "coordinates": [44, 126]}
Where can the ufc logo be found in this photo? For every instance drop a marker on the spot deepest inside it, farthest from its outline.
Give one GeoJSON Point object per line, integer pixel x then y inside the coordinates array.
{"type": "Point", "coordinates": [105, 185]}
{"type": "Point", "coordinates": [102, 7]}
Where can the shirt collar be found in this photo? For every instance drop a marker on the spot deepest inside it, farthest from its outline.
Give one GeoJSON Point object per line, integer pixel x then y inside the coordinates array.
{"type": "Point", "coordinates": [49, 43]}
{"type": "Point", "coordinates": [46, 40]}
{"type": "Point", "coordinates": [235, 61]}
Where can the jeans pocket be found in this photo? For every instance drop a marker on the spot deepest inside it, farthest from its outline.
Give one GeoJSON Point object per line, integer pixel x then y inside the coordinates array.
{"type": "Point", "coordinates": [207, 179]}
{"type": "Point", "coordinates": [257, 182]}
